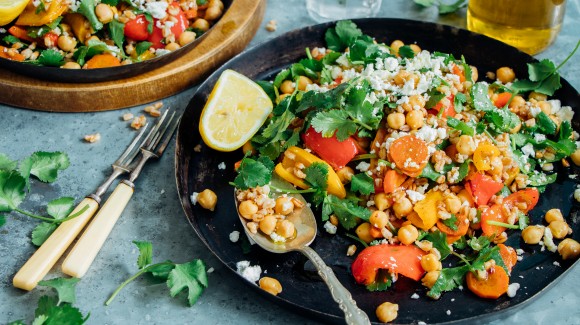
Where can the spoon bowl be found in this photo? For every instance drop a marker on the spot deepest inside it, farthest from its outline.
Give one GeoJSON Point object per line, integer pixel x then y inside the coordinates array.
{"type": "Point", "coordinates": [305, 223]}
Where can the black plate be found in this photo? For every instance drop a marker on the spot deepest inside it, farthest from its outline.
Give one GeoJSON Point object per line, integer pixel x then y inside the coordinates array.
{"type": "Point", "coordinates": [103, 74]}
{"type": "Point", "coordinates": [303, 289]}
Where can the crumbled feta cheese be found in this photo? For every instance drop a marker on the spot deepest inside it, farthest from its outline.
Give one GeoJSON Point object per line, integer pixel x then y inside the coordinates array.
{"type": "Point", "coordinates": [330, 228]}
{"type": "Point", "coordinates": [549, 240]}
{"type": "Point", "coordinates": [250, 273]}
{"type": "Point", "coordinates": [556, 263]}
{"type": "Point", "coordinates": [565, 113]}
{"type": "Point", "coordinates": [421, 323]}
{"type": "Point", "coordinates": [415, 296]}
{"type": "Point", "coordinates": [157, 9]}
{"type": "Point", "coordinates": [442, 133]}
{"type": "Point", "coordinates": [448, 312]}
{"type": "Point", "coordinates": [222, 165]}
{"type": "Point", "coordinates": [277, 238]}
{"type": "Point", "coordinates": [528, 150]}
{"type": "Point", "coordinates": [160, 52]}
{"type": "Point", "coordinates": [539, 137]}
{"type": "Point", "coordinates": [234, 236]}
{"type": "Point", "coordinates": [343, 60]}
{"type": "Point", "coordinates": [577, 194]}
{"type": "Point", "coordinates": [363, 166]}
{"type": "Point", "coordinates": [535, 110]}
{"type": "Point", "coordinates": [415, 196]}
{"type": "Point", "coordinates": [427, 133]}
{"type": "Point", "coordinates": [513, 289]}
{"type": "Point", "coordinates": [193, 198]}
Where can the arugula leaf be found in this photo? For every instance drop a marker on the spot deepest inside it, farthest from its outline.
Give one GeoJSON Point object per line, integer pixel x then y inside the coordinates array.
{"type": "Point", "coordinates": [117, 32]}
{"type": "Point", "coordinates": [362, 183]}
{"type": "Point", "coordinates": [451, 222]}
{"type": "Point", "coordinates": [252, 173]}
{"type": "Point", "coordinates": [406, 51]}
{"type": "Point", "coordinates": [60, 208]}
{"type": "Point", "coordinates": [439, 240]}
{"type": "Point", "coordinates": [190, 275]}
{"type": "Point", "coordinates": [142, 47]}
{"type": "Point", "coordinates": [87, 9]}
{"type": "Point", "coordinates": [145, 253]}
{"type": "Point", "coordinates": [12, 190]}
{"type": "Point", "coordinates": [42, 231]}
{"type": "Point", "coordinates": [7, 163]}
{"type": "Point", "coordinates": [449, 279]}
{"type": "Point", "coordinates": [346, 211]}
{"type": "Point", "coordinates": [51, 58]}
{"type": "Point", "coordinates": [44, 165]}
{"type": "Point", "coordinates": [64, 287]}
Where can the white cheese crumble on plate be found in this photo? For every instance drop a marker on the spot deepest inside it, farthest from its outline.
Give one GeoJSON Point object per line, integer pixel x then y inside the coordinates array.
{"type": "Point", "coordinates": [248, 272]}
{"type": "Point", "coordinates": [234, 236]}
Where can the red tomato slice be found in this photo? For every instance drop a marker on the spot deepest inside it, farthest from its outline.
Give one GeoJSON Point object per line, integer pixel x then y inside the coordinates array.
{"type": "Point", "coordinates": [398, 259]}
{"type": "Point", "coordinates": [136, 29]}
{"type": "Point", "coordinates": [334, 152]}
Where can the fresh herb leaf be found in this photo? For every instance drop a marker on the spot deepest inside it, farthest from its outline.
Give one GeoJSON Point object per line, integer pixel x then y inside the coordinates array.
{"type": "Point", "coordinates": [252, 173]}
{"type": "Point", "coordinates": [269, 89]}
{"type": "Point", "coordinates": [451, 8]}
{"type": "Point", "coordinates": [334, 121]}
{"type": "Point", "coordinates": [425, 3]}
{"type": "Point", "coordinates": [64, 287]}
{"type": "Point", "coordinates": [449, 279]}
{"type": "Point", "coordinates": [12, 190]}
{"type": "Point", "coordinates": [50, 312]}
{"type": "Point", "coordinates": [362, 183]}
{"type": "Point", "coordinates": [541, 179]}
{"type": "Point", "coordinates": [458, 102]}
{"type": "Point", "coordinates": [383, 281]}
{"type": "Point", "coordinates": [190, 275]}
{"type": "Point", "coordinates": [317, 175]}
{"type": "Point", "coordinates": [60, 208]}
{"type": "Point", "coordinates": [486, 254]}
{"type": "Point", "coordinates": [523, 220]}
{"type": "Point", "coordinates": [9, 39]}
{"type": "Point", "coordinates": [117, 32]}
{"type": "Point", "coordinates": [461, 243]}
{"type": "Point", "coordinates": [439, 240]}
{"type": "Point", "coordinates": [87, 9]}
{"type": "Point", "coordinates": [429, 172]}
{"type": "Point", "coordinates": [342, 36]}
{"type": "Point", "coordinates": [281, 77]}
{"type": "Point", "coordinates": [51, 58]}
{"type": "Point", "coordinates": [112, 3]}
{"type": "Point", "coordinates": [42, 231]}
{"type": "Point", "coordinates": [545, 124]}
{"type": "Point", "coordinates": [451, 222]}
{"type": "Point", "coordinates": [6, 163]}
{"type": "Point", "coordinates": [406, 51]}
{"type": "Point", "coordinates": [142, 47]}
{"type": "Point", "coordinates": [435, 97]}
{"type": "Point", "coordinates": [478, 243]}
{"type": "Point", "coordinates": [480, 98]}
{"type": "Point", "coordinates": [145, 253]}
{"type": "Point", "coordinates": [346, 211]}
{"type": "Point", "coordinates": [2, 220]}
{"type": "Point", "coordinates": [460, 126]}
{"type": "Point", "coordinates": [44, 165]}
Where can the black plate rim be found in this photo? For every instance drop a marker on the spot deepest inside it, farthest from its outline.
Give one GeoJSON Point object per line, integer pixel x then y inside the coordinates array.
{"type": "Point", "coordinates": [185, 202]}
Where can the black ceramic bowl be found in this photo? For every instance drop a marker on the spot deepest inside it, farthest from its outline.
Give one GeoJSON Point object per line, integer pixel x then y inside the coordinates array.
{"type": "Point", "coordinates": [304, 291]}
{"type": "Point", "coordinates": [103, 74]}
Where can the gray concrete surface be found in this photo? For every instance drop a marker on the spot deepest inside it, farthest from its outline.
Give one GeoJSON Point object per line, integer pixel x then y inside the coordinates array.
{"type": "Point", "coordinates": [155, 214]}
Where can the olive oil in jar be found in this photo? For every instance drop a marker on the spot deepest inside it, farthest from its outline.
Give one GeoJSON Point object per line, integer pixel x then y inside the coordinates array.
{"type": "Point", "coordinates": [530, 25]}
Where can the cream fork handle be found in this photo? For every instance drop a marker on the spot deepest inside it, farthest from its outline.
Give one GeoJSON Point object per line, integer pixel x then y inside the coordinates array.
{"type": "Point", "coordinates": [52, 249]}
{"type": "Point", "coordinates": [88, 246]}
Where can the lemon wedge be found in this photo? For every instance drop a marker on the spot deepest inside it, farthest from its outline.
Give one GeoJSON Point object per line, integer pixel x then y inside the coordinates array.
{"type": "Point", "coordinates": [235, 110]}
{"type": "Point", "coordinates": [10, 9]}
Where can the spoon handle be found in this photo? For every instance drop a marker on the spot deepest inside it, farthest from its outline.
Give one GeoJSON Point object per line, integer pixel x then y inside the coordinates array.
{"type": "Point", "coordinates": [352, 314]}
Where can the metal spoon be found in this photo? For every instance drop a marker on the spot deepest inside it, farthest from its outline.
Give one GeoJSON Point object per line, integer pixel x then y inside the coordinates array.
{"type": "Point", "coordinates": [305, 224]}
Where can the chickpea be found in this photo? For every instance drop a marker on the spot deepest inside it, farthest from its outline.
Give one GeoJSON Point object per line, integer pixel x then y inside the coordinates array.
{"type": "Point", "coordinates": [553, 215]}
{"type": "Point", "coordinates": [517, 101]}
{"type": "Point", "coordinates": [172, 46]}
{"type": "Point", "coordinates": [201, 24]}
{"type": "Point", "coordinates": [396, 45]}
{"type": "Point", "coordinates": [218, 3]}
{"type": "Point", "coordinates": [402, 207]}
{"type": "Point", "coordinates": [270, 285]}
{"type": "Point", "coordinates": [66, 43]}
{"type": "Point", "coordinates": [287, 87]}
{"type": "Point", "coordinates": [397, 120]}
{"type": "Point", "coordinates": [416, 48]}
{"type": "Point", "coordinates": [453, 204]}
{"type": "Point", "coordinates": [430, 262]}
{"type": "Point", "coordinates": [408, 234]}
{"type": "Point", "coordinates": [430, 278]}
{"type": "Point", "coordinates": [345, 174]}
{"type": "Point", "coordinates": [401, 77]}
{"type": "Point", "coordinates": [213, 13]}
{"type": "Point", "coordinates": [281, 97]}
{"type": "Point", "coordinates": [417, 100]}
{"type": "Point", "coordinates": [516, 128]}
{"type": "Point", "coordinates": [207, 199]}
{"type": "Point", "coordinates": [247, 209]}
{"type": "Point", "coordinates": [560, 229]}
{"type": "Point", "coordinates": [104, 13]}
{"type": "Point", "coordinates": [285, 228]}
{"type": "Point", "coordinates": [537, 96]}
{"type": "Point", "coordinates": [545, 107]}
{"type": "Point", "coordinates": [303, 82]}
{"type": "Point", "coordinates": [569, 249]}
{"type": "Point", "coordinates": [284, 206]}
{"type": "Point", "coordinates": [576, 157]}
{"type": "Point", "coordinates": [381, 201]}
{"type": "Point", "coordinates": [379, 219]}
{"type": "Point", "coordinates": [363, 231]}
{"type": "Point", "coordinates": [474, 73]}
{"type": "Point", "coordinates": [186, 37]}
{"type": "Point", "coordinates": [505, 74]}
{"type": "Point", "coordinates": [465, 145]}
{"type": "Point", "coordinates": [268, 224]}
{"type": "Point", "coordinates": [387, 312]}
{"type": "Point", "coordinates": [532, 234]}
{"type": "Point", "coordinates": [414, 119]}
{"type": "Point", "coordinates": [71, 65]}
{"type": "Point", "coordinates": [334, 220]}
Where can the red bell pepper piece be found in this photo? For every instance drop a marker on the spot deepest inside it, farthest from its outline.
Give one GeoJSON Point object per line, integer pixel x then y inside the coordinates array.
{"type": "Point", "coordinates": [336, 153]}
{"type": "Point", "coordinates": [398, 259]}
{"type": "Point", "coordinates": [447, 110]}
{"type": "Point", "coordinates": [529, 196]}
{"type": "Point", "coordinates": [502, 99]}
{"type": "Point", "coordinates": [482, 187]}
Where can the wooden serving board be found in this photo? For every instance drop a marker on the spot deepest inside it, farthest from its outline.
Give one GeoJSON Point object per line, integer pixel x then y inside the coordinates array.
{"type": "Point", "coordinates": [227, 38]}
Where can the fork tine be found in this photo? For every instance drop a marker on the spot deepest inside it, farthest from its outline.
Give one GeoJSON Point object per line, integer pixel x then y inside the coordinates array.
{"type": "Point", "coordinates": [168, 136]}
{"type": "Point", "coordinates": [160, 134]}
{"type": "Point", "coordinates": [132, 150]}
{"type": "Point", "coordinates": [153, 133]}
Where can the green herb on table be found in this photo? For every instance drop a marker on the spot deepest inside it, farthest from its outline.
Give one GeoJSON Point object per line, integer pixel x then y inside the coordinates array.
{"type": "Point", "coordinates": [59, 309]}
{"type": "Point", "coordinates": [191, 275]}
{"type": "Point", "coordinates": [15, 184]}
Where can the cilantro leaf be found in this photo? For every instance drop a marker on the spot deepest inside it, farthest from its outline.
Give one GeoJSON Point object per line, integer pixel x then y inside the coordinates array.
{"type": "Point", "coordinates": [252, 173]}
{"type": "Point", "coordinates": [161, 270]}
{"type": "Point", "coordinates": [9, 39]}
{"type": "Point", "coordinates": [545, 124]}
{"type": "Point", "coordinates": [345, 210]}
{"type": "Point", "coordinates": [317, 175]}
{"type": "Point", "coordinates": [460, 126]}
{"type": "Point", "coordinates": [449, 279]}
{"type": "Point", "coordinates": [142, 47]}
{"type": "Point", "coordinates": [564, 134]}
{"type": "Point", "coordinates": [439, 240]}
{"type": "Point", "coordinates": [44, 165]}
{"type": "Point", "coordinates": [281, 77]}
{"type": "Point", "coordinates": [51, 58]}
{"type": "Point", "coordinates": [362, 183]}
{"type": "Point", "coordinates": [12, 190]}
{"type": "Point", "coordinates": [539, 71]}
{"type": "Point", "coordinates": [60, 208]}
{"type": "Point", "coordinates": [540, 179]}
{"type": "Point", "coordinates": [52, 313]}
{"type": "Point", "coordinates": [87, 9]}
{"type": "Point", "coordinates": [480, 98]}
{"type": "Point", "coordinates": [382, 282]}
{"type": "Point", "coordinates": [334, 121]}
{"type": "Point", "coordinates": [451, 222]}
{"type": "Point", "coordinates": [450, 8]}
{"type": "Point", "coordinates": [7, 163]}
{"type": "Point", "coordinates": [42, 231]}
{"type": "Point", "coordinates": [406, 51]}
{"type": "Point", "coordinates": [190, 275]}
{"type": "Point", "coordinates": [65, 288]}
{"type": "Point", "coordinates": [342, 36]}
{"type": "Point", "coordinates": [2, 220]}
{"type": "Point", "coordinates": [269, 89]}
{"type": "Point", "coordinates": [486, 254]}
{"type": "Point", "coordinates": [478, 243]}
{"type": "Point", "coordinates": [145, 253]}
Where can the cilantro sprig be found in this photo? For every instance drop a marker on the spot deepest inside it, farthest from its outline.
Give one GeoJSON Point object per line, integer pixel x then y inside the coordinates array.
{"type": "Point", "coordinates": [443, 7]}
{"type": "Point", "coordinates": [190, 276]}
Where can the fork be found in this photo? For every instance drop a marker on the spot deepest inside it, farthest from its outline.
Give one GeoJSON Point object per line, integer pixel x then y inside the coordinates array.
{"type": "Point", "coordinates": [53, 248]}
{"type": "Point", "coordinates": [86, 249]}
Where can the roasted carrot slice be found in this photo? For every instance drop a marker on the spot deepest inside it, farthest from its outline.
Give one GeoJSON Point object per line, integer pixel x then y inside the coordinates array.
{"type": "Point", "coordinates": [509, 256]}
{"type": "Point", "coordinates": [495, 285]}
{"type": "Point", "coordinates": [525, 199]}
{"type": "Point", "coordinates": [15, 56]}
{"type": "Point", "coordinates": [103, 61]}
{"type": "Point", "coordinates": [493, 213]}
{"type": "Point", "coordinates": [458, 72]}
{"type": "Point", "coordinates": [20, 33]}
{"type": "Point", "coordinates": [409, 154]}
{"type": "Point", "coordinates": [392, 180]}
{"type": "Point", "coordinates": [502, 99]}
